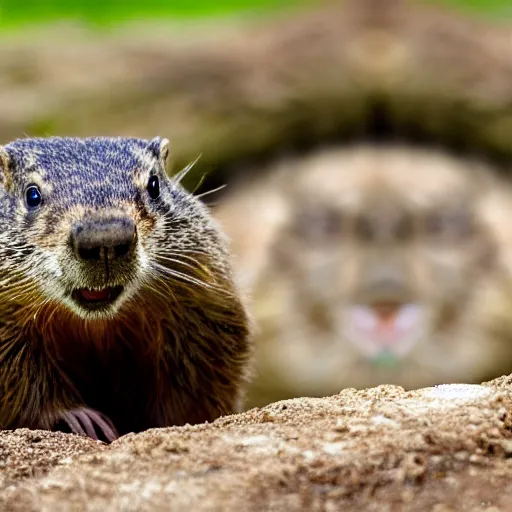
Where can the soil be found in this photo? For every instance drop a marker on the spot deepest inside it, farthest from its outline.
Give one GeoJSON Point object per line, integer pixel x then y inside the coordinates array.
{"type": "Point", "coordinates": [441, 449]}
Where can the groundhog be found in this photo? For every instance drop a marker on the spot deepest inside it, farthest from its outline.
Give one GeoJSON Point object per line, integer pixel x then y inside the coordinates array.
{"type": "Point", "coordinates": [118, 310]}
{"type": "Point", "coordinates": [372, 265]}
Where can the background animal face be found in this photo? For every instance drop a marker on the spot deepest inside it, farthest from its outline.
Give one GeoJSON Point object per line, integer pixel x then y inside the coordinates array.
{"type": "Point", "coordinates": [377, 266]}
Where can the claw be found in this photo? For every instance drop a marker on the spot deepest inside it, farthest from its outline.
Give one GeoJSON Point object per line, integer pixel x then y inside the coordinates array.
{"type": "Point", "coordinates": [88, 422]}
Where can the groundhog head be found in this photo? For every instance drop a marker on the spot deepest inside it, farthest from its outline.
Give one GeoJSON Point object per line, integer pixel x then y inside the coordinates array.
{"type": "Point", "coordinates": [91, 223]}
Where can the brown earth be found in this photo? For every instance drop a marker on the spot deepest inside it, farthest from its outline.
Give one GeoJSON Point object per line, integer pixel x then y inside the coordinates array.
{"type": "Point", "coordinates": [441, 449]}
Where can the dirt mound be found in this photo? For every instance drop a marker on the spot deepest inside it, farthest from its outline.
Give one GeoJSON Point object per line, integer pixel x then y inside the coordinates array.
{"type": "Point", "coordinates": [444, 448]}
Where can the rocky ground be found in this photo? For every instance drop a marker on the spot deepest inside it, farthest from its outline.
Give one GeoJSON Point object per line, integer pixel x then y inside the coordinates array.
{"type": "Point", "coordinates": [442, 449]}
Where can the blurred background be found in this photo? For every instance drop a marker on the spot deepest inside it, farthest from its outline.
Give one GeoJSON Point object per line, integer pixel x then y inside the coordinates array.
{"type": "Point", "coordinates": [365, 145]}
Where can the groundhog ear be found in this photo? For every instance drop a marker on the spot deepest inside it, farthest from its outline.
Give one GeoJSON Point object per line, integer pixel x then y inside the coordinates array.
{"type": "Point", "coordinates": [164, 150]}
{"type": "Point", "coordinates": [5, 167]}
{"type": "Point", "coordinates": [160, 148]}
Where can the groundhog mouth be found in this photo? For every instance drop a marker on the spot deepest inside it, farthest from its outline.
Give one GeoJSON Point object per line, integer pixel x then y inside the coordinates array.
{"type": "Point", "coordinates": [96, 299]}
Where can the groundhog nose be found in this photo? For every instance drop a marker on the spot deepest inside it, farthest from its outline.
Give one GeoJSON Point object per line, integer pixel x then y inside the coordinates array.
{"type": "Point", "coordinates": [103, 239]}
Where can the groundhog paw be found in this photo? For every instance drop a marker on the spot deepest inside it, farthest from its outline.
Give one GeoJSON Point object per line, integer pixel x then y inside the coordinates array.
{"type": "Point", "coordinates": [88, 422]}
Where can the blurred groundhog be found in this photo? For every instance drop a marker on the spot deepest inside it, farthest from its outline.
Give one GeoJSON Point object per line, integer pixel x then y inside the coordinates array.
{"type": "Point", "coordinates": [370, 265]}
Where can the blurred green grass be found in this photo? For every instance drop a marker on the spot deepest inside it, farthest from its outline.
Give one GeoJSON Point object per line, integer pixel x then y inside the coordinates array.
{"type": "Point", "coordinates": [107, 12]}
{"type": "Point", "coordinates": [14, 13]}
{"type": "Point", "coordinates": [496, 9]}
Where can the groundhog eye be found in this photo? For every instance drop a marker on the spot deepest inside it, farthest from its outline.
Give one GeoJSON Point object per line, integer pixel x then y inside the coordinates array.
{"type": "Point", "coordinates": [153, 187]}
{"type": "Point", "coordinates": [33, 196]}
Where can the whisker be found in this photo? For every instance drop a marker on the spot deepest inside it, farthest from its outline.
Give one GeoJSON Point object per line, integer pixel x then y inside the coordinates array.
{"type": "Point", "coordinates": [189, 279]}
{"type": "Point", "coordinates": [174, 260]}
{"type": "Point", "coordinates": [181, 175]}
{"type": "Point", "coordinates": [182, 254]}
{"type": "Point", "coordinates": [199, 183]}
{"type": "Point", "coordinates": [197, 267]}
{"type": "Point", "coordinates": [177, 273]}
{"type": "Point", "coordinates": [200, 196]}
{"type": "Point", "coordinates": [179, 255]}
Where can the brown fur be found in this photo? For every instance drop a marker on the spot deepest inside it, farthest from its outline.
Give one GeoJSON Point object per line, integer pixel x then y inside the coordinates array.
{"type": "Point", "coordinates": [132, 358]}
{"type": "Point", "coordinates": [175, 351]}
